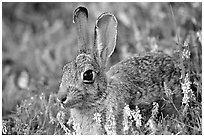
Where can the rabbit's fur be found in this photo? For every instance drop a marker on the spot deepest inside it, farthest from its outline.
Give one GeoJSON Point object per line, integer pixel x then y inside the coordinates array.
{"type": "Point", "coordinates": [137, 80]}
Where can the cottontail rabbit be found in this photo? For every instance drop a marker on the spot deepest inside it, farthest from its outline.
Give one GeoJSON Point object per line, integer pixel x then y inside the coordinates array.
{"type": "Point", "coordinates": [87, 88]}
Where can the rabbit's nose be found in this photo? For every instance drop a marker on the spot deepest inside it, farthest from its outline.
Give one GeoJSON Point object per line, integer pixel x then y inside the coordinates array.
{"type": "Point", "coordinates": [61, 97]}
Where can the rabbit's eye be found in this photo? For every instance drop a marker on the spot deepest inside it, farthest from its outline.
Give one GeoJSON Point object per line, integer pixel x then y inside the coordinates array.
{"type": "Point", "coordinates": [88, 77]}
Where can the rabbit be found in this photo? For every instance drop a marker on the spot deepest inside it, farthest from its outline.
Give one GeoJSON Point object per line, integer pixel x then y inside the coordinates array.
{"type": "Point", "coordinates": [89, 87]}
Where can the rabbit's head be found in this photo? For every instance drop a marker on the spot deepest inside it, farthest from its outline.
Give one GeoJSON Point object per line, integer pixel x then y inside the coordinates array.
{"type": "Point", "coordinates": [84, 79]}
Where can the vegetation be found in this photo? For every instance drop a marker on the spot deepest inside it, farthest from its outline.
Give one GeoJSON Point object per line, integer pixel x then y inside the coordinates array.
{"type": "Point", "coordinates": [38, 39]}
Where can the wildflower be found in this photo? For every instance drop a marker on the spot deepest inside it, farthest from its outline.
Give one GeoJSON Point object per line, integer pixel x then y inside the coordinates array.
{"type": "Point", "coordinates": [131, 116]}
{"type": "Point", "coordinates": [4, 129]}
{"type": "Point", "coordinates": [137, 116]}
{"type": "Point", "coordinates": [196, 83]}
{"type": "Point", "coordinates": [151, 125]}
{"type": "Point", "coordinates": [185, 44]}
{"type": "Point", "coordinates": [186, 54]}
{"type": "Point", "coordinates": [126, 115]}
{"type": "Point", "coordinates": [110, 126]}
{"type": "Point", "coordinates": [155, 109]}
{"type": "Point", "coordinates": [60, 118]}
{"type": "Point", "coordinates": [97, 117]}
{"type": "Point", "coordinates": [187, 91]}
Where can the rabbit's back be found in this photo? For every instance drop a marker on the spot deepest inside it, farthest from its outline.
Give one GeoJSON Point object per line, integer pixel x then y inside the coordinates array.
{"type": "Point", "coordinates": [140, 79]}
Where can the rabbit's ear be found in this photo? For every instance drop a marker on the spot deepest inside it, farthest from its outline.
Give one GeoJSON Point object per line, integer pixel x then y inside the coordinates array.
{"type": "Point", "coordinates": [105, 36]}
{"type": "Point", "coordinates": [80, 17]}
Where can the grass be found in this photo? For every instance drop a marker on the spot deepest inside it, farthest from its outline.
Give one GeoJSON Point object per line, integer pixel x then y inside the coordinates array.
{"type": "Point", "coordinates": [38, 38]}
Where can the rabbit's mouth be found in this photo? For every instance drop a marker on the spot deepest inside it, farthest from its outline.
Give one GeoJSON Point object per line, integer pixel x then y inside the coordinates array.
{"type": "Point", "coordinates": [72, 103]}
{"type": "Point", "coordinates": [77, 98]}
{"type": "Point", "coordinates": [71, 97]}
